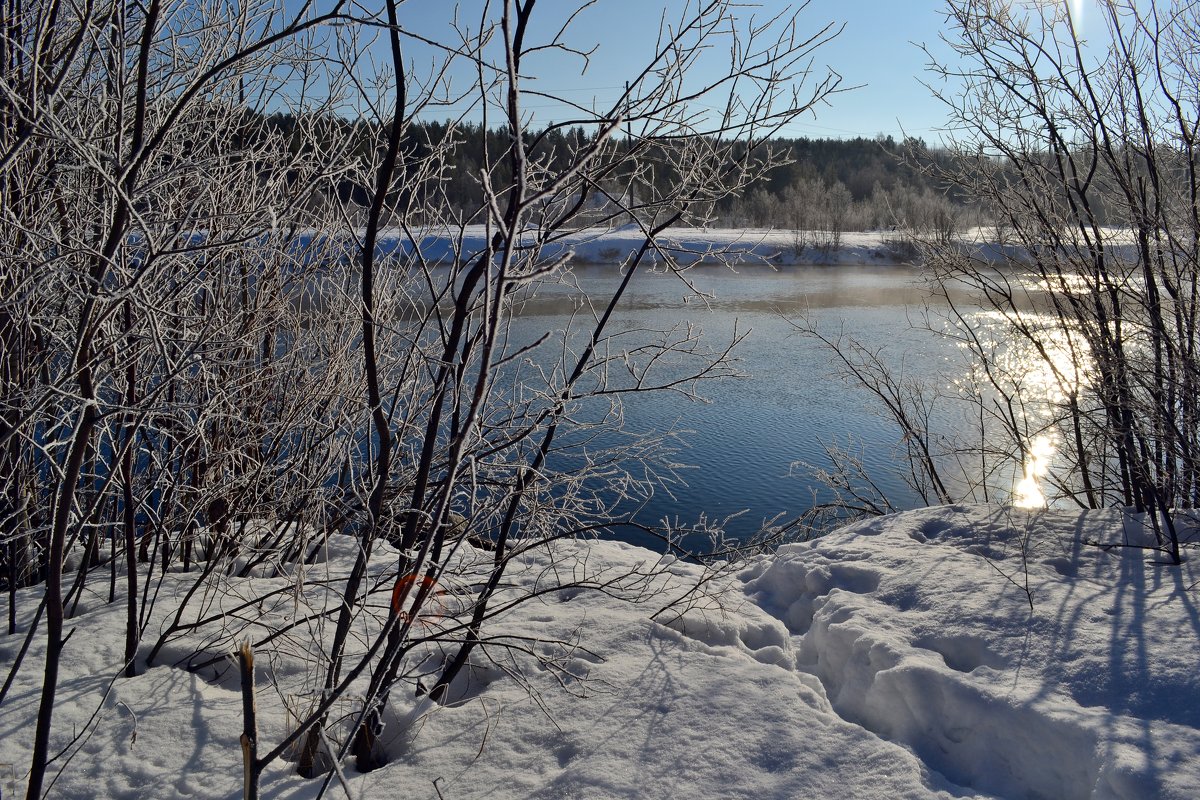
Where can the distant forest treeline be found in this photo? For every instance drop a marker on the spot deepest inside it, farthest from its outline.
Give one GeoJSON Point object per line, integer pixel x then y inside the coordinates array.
{"type": "Point", "coordinates": [827, 185]}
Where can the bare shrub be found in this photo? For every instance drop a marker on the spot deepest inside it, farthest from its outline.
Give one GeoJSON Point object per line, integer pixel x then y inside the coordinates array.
{"type": "Point", "coordinates": [190, 221]}
{"type": "Point", "coordinates": [1087, 158]}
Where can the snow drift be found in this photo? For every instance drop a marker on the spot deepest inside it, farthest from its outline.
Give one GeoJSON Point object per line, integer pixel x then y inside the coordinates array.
{"type": "Point", "coordinates": [964, 651]}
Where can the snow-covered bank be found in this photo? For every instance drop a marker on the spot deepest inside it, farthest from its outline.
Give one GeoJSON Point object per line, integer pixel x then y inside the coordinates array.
{"type": "Point", "coordinates": [896, 658]}
{"type": "Point", "coordinates": [739, 247]}
{"type": "Point", "coordinates": [688, 246]}
{"type": "Point", "coordinates": [1023, 654]}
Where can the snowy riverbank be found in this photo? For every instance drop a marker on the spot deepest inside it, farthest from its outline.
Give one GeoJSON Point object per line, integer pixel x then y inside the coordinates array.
{"type": "Point", "coordinates": [734, 246]}
{"type": "Point", "coordinates": [689, 246]}
{"type": "Point", "coordinates": [896, 658]}
{"type": "Point", "coordinates": [774, 247]}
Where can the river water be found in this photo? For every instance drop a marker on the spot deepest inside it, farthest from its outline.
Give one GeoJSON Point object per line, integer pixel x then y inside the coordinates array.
{"type": "Point", "coordinates": [749, 445]}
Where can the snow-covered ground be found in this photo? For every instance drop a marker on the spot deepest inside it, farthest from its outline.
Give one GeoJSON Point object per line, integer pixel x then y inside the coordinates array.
{"type": "Point", "coordinates": [964, 651]}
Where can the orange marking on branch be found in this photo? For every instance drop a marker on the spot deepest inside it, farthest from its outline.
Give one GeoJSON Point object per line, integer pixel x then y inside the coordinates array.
{"type": "Point", "coordinates": [403, 586]}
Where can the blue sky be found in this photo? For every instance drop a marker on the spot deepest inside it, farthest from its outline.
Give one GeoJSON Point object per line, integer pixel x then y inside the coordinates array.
{"type": "Point", "coordinates": [878, 51]}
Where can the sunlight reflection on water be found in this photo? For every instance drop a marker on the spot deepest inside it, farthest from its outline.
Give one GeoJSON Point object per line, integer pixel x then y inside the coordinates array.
{"type": "Point", "coordinates": [1039, 455]}
{"type": "Point", "coordinates": [1042, 377]}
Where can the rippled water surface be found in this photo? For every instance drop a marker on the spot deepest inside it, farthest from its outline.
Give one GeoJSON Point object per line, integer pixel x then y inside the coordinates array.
{"type": "Point", "coordinates": [742, 447]}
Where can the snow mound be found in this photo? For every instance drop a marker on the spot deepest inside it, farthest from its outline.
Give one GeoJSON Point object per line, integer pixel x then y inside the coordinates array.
{"type": "Point", "coordinates": [1025, 654]}
{"type": "Point", "coordinates": [897, 658]}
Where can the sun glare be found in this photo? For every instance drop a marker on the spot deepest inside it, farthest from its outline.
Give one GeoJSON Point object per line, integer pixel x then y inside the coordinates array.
{"type": "Point", "coordinates": [1073, 7]}
{"type": "Point", "coordinates": [1044, 375]}
{"type": "Point", "coordinates": [1028, 491]}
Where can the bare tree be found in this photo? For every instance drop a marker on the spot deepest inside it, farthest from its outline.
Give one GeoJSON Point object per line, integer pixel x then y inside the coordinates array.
{"type": "Point", "coordinates": [1085, 152]}
{"type": "Point", "coordinates": [1089, 156]}
{"type": "Point", "coordinates": [189, 220]}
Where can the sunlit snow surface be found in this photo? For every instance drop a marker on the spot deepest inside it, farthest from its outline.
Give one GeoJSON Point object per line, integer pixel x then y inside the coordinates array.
{"type": "Point", "coordinates": [896, 658]}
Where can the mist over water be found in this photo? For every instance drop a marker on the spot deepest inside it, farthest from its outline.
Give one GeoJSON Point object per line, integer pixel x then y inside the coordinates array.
{"type": "Point", "coordinates": [743, 449]}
